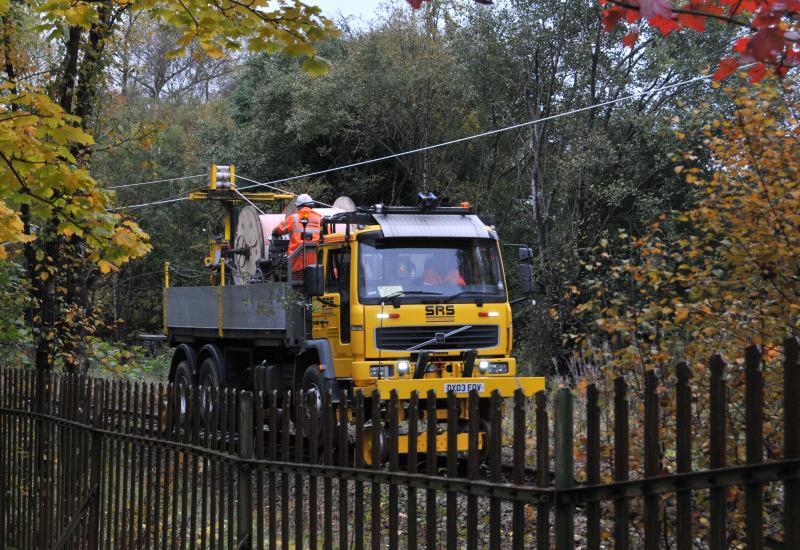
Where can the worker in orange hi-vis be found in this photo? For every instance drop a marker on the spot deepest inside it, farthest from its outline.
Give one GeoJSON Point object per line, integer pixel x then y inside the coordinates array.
{"type": "Point", "coordinates": [302, 226]}
{"type": "Point", "coordinates": [442, 271]}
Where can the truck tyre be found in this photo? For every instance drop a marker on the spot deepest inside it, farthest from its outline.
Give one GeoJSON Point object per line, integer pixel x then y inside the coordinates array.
{"type": "Point", "coordinates": [380, 438]}
{"type": "Point", "coordinates": [182, 382]}
{"type": "Point", "coordinates": [313, 385]}
{"type": "Point", "coordinates": [208, 382]}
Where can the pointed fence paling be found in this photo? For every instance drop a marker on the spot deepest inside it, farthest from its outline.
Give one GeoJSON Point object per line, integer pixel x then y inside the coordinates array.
{"type": "Point", "coordinates": [94, 463]}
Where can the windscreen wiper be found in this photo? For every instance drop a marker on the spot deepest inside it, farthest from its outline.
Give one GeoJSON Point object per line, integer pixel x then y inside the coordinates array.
{"type": "Point", "coordinates": [395, 295]}
{"type": "Point", "coordinates": [466, 292]}
{"type": "Point", "coordinates": [409, 292]}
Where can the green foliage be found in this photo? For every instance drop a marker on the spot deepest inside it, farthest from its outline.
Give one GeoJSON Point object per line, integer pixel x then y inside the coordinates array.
{"type": "Point", "coordinates": [131, 362]}
{"type": "Point", "coordinates": [15, 333]}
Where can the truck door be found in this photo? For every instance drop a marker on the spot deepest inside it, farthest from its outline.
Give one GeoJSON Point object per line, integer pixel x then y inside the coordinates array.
{"type": "Point", "coordinates": [334, 316]}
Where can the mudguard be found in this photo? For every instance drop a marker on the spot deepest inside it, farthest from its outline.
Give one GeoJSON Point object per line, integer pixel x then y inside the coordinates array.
{"type": "Point", "coordinates": [183, 351]}
{"type": "Point", "coordinates": [213, 351]}
{"type": "Point", "coordinates": [323, 349]}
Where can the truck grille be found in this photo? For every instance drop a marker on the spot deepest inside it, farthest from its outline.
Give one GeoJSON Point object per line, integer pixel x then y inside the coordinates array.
{"type": "Point", "coordinates": [403, 338]}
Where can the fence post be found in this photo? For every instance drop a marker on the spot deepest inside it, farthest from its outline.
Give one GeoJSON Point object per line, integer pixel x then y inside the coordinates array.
{"type": "Point", "coordinates": [592, 465]}
{"type": "Point", "coordinates": [565, 475]}
{"type": "Point", "coordinates": [791, 427]}
{"type": "Point", "coordinates": [652, 526]}
{"type": "Point", "coordinates": [754, 437]}
{"type": "Point", "coordinates": [96, 466]}
{"type": "Point", "coordinates": [542, 471]}
{"type": "Point", "coordinates": [717, 452]}
{"type": "Point", "coordinates": [621, 461]}
{"type": "Point", "coordinates": [683, 423]}
{"type": "Point", "coordinates": [244, 484]}
{"type": "Point", "coordinates": [4, 459]}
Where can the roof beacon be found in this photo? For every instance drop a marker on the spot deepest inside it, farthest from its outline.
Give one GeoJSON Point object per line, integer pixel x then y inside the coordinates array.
{"type": "Point", "coordinates": [427, 201]}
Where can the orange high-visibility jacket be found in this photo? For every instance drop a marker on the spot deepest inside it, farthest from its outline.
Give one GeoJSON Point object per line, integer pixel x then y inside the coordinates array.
{"type": "Point", "coordinates": [292, 225]}
{"type": "Point", "coordinates": [452, 278]}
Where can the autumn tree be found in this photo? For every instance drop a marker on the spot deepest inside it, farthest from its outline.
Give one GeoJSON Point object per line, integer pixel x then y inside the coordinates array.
{"type": "Point", "coordinates": [769, 31]}
{"type": "Point", "coordinates": [721, 274]}
{"type": "Point", "coordinates": [48, 199]}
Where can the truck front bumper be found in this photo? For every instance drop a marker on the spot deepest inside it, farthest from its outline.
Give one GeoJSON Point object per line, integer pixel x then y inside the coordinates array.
{"type": "Point", "coordinates": [485, 385]}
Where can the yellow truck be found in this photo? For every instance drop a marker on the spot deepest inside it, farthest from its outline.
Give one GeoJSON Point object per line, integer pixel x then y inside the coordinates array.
{"type": "Point", "coordinates": [399, 298]}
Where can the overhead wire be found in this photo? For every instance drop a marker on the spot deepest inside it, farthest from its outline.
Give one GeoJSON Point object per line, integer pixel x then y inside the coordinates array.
{"type": "Point", "coordinates": [248, 201]}
{"type": "Point", "coordinates": [272, 183]}
{"type": "Point", "coordinates": [172, 198]}
{"type": "Point", "coordinates": [267, 185]}
{"type": "Point", "coordinates": [157, 181]}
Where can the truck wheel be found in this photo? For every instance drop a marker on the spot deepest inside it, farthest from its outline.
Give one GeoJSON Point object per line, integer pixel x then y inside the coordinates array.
{"type": "Point", "coordinates": [208, 381]}
{"type": "Point", "coordinates": [313, 385]}
{"type": "Point", "coordinates": [484, 427]}
{"type": "Point", "coordinates": [182, 382]}
{"type": "Point", "coordinates": [382, 441]}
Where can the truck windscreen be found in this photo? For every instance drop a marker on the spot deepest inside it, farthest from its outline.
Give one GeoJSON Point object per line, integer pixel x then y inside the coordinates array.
{"type": "Point", "coordinates": [429, 270]}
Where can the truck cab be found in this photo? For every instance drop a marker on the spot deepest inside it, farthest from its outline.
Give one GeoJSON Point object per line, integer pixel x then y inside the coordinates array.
{"type": "Point", "coordinates": [416, 301]}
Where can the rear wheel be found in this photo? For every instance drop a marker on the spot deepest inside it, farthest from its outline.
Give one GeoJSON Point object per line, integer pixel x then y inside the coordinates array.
{"type": "Point", "coordinates": [182, 382]}
{"type": "Point", "coordinates": [208, 382]}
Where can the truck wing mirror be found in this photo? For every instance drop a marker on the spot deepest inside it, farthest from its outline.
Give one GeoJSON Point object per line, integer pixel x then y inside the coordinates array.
{"type": "Point", "coordinates": [314, 280]}
{"type": "Point", "coordinates": [526, 278]}
{"type": "Point", "coordinates": [525, 253]}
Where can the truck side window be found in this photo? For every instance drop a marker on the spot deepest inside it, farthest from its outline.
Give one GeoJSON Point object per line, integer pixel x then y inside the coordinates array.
{"type": "Point", "coordinates": [334, 271]}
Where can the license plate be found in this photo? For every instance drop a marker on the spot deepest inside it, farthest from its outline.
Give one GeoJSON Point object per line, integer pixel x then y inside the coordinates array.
{"type": "Point", "coordinates": [464, 387]}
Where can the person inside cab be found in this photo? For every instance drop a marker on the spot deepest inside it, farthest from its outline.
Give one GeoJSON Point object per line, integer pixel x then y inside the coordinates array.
{"type": "Point", "coordinates": [303, 225]}
{"type": "Point", "coordinates": [442, 271]}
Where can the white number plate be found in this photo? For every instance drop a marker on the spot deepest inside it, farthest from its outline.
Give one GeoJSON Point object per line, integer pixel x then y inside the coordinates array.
{"type": "Point", "coordinates": [464, 387]}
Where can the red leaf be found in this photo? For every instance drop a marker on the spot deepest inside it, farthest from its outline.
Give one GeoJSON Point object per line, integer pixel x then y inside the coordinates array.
{"type": "Point", "coordinates": [611, 17]}
{"type": "Point", "coordinates": [655, 8]}
{"type": "Point", "coordinates": [696, 22]}
{"type": "Point", "coordinates": [705, 6]}
{"type": "Point", "coordinates": [630, 39]}
{"type": "Point", "coordinates": [782, 70]}
{"type": "Point", "coordinates": [792, 58]}
{"type": "Point", "coordinates": [726, 67]}
{"type": "Point", "coordinates": [665, 25]}
{"type": "Point", "coordinates": [632, 16]}
{"type": "Point", "coordinates": [740, 46]}
{"type": "Point", "coordinates": [415, 3]}
{"type": "Point", "coordinates": [766, 17]}
{"type": "Point", "coordinates": [757, 72]}
{"type": "Point", "coordinates": [766, 45]}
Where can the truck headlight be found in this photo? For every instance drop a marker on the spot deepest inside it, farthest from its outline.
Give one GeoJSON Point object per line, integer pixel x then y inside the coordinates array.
{"type": "Point", "coordinates": [483, 367]}
{"type": "Point", "coordinates": [402, 368]}
{"type": "Point", "coordinates": [498, 368]}
{"type": "Point", "coordinates": [380, 371]}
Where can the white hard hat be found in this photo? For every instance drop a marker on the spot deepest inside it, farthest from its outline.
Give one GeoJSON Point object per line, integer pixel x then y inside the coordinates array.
{"type": "Point", "coordinates": [304, 199]}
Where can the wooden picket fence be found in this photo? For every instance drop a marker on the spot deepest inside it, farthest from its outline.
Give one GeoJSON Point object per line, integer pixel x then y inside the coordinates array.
{"type": "Point", "coordinates": [91, 463]}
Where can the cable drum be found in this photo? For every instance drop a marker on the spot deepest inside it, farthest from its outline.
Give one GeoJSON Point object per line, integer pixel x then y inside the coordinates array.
{"type": "Point", "coordinates": [252, 241]}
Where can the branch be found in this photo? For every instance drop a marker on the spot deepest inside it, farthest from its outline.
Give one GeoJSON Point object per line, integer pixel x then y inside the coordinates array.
{"type": "Point", "coordinates": [684, 11]}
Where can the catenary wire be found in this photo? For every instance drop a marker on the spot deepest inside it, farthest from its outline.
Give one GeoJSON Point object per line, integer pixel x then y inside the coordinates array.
{"type": "Point", "coordinates": [271, 184]}
{"type": "Point", "coordinates": [156, 181]}
{"type": "Point", "coordinates": [261, 184]}
{"type": "Point", "coordinates": [248, 201]}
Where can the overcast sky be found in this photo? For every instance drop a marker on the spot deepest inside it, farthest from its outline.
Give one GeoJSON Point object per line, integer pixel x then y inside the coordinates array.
{"type": "Point", "coordinates": [360, 9]}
